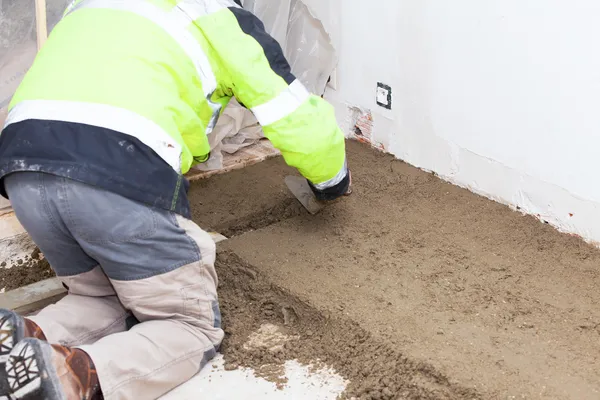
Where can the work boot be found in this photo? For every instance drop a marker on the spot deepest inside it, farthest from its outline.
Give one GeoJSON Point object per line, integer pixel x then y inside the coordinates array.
{"type": "Point", "coordinates": [13, 328]}
{"type": "Point", "coordinates": [37, 370]}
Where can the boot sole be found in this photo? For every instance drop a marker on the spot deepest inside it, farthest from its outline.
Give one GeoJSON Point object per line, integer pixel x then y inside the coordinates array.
{"type": "Point", "coordinates": [30, 372]}
{"type": "Point", "coordinates": [11, 332]}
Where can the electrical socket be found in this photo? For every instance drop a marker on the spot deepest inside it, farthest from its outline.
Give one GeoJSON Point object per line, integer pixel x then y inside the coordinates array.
{"type": "Point", "coordinates": [384, 96]}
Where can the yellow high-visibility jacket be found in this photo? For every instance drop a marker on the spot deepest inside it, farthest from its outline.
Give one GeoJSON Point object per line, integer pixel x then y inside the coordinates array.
{"type": "Point", "coordinates": [123, 94]}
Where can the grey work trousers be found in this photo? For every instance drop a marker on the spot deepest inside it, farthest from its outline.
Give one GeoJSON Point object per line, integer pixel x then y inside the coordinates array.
{"type": "Point", "coordinates": [119, 257]}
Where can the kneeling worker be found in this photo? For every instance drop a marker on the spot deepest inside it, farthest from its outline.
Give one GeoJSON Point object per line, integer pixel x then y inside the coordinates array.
{"type": "Point", "coordinates": [113, 112]}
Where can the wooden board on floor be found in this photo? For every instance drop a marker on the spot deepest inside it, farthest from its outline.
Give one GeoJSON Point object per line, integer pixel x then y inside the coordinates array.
{"type": "Point", "coordinates": [245, 157]}
{"type": "Point", "coordinates": [30, 298]}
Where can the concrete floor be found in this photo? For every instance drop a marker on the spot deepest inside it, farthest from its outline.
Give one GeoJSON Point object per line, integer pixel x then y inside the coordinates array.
{"type": "Point", "coordinates": [217, 384]}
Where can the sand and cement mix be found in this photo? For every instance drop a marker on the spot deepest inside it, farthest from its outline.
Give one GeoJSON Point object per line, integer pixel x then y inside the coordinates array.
{"type": "Point", "coordinates": [409, 288]}
{"type": "Point", "coordinates": [489, 299]}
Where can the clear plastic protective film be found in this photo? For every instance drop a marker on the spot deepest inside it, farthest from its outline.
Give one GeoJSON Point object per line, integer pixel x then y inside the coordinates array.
{"type": "Point", "coordinates": [308, 48]}
{"type": "Point", "coordinates": [18, 42]}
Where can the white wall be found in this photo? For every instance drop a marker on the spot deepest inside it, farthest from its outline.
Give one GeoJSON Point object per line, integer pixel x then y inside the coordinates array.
{"type": "Point", "coordinates": [502, 97]}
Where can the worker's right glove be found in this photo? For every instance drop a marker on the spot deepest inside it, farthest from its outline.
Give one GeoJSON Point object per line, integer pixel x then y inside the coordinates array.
{"type": "Point", "coordinates": [344, 188]}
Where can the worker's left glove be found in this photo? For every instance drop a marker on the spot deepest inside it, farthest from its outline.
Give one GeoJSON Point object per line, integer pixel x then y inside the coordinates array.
{"type": "Point", "coordinates": [202, 159]}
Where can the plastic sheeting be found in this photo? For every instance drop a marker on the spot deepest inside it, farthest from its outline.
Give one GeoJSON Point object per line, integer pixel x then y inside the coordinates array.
{"type": "Point", "coordinates": [309, 49]}
{"type": "Point", "coordinates": [18, 45]}
{"type": "Point", "coordinates": [274, 14]}
{"type": "Point", "coordinates": [307, 32]}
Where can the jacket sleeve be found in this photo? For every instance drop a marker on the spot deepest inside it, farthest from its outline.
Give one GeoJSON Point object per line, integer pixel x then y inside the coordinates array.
{"type": "Point", "coordinates": [302, 126]}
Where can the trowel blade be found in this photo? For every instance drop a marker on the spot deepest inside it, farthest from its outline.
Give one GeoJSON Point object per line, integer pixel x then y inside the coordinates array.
{"type": "Point", "coordinates": [302, 191]}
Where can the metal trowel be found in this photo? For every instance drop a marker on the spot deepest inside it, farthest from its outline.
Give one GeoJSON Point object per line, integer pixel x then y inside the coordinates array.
{"type": "Point", "coordinates": [302, 191]}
